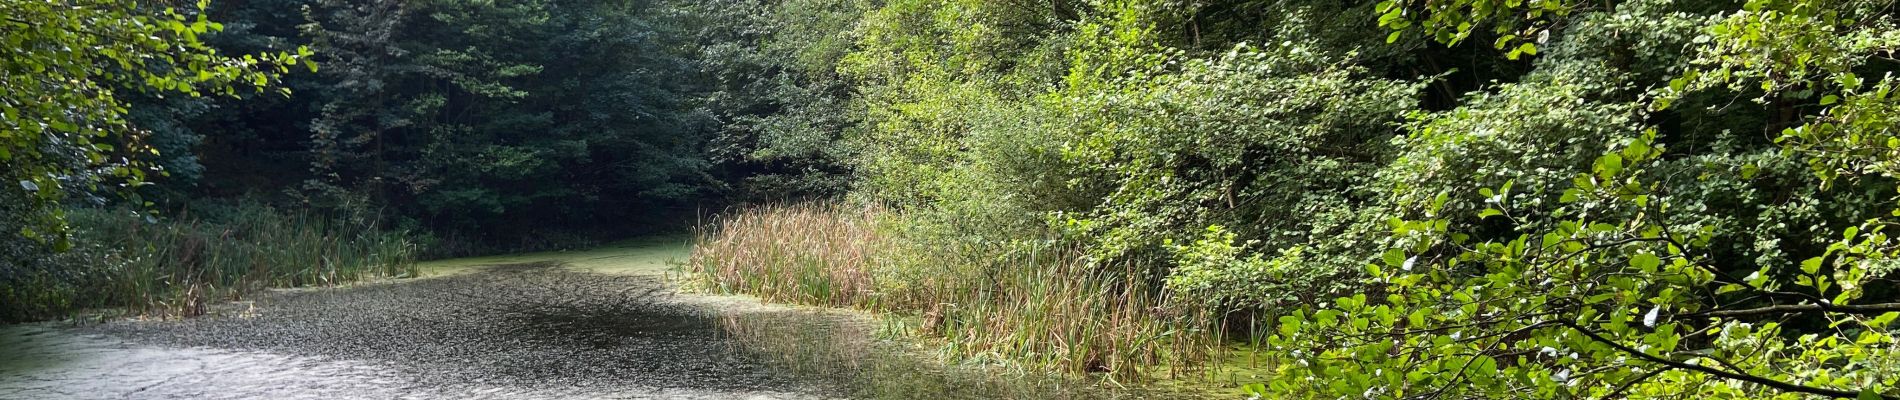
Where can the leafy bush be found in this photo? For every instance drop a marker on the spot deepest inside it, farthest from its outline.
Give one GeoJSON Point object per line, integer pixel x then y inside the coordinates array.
{"type": "Point", "coordinates": [1659, 269]}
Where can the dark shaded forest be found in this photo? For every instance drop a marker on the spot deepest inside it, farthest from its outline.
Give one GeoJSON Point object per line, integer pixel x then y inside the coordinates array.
{"type": "Point", "coordinates": [485, 123]}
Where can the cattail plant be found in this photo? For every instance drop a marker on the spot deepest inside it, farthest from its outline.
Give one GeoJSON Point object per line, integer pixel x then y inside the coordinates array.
{"type": "Point", "coordinates": [1036, 304]}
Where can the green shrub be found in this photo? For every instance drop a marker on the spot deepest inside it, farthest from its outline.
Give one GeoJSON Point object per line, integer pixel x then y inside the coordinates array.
{"type": "Point", "coordinates": [1549, 205]}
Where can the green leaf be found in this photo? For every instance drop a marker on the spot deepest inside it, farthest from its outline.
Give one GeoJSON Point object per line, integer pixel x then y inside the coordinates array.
{"type": "Point", "coordinates": [1884, 319]}
{"type": "Point", "coordinates": [1570, 196]}
{"type": "Point", "coordinates": [1503, 41]}
{"type": "Point", "coordinates": [1609, 165]}
{"type": "Point", "coordinates": [1645, 262]}
{"type": "Point", "coordinates": [1254, 389]}
{"type": "Point", "coordinates": [1394, 257]}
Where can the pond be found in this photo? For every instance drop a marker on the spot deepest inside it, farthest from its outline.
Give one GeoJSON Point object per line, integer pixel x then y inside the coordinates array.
{"type": "Point", "coordinates": [523, 330]}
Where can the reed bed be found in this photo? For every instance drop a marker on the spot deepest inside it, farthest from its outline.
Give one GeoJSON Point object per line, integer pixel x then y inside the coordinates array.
{"type": "Point", "coordinates": [1038, 305]}
{"type": "Point", "coordinates": [172, 268]}
{"type": "Point", "coordinates": [807, 254]}
{"type": "Point", "coordinates": [852, 358]}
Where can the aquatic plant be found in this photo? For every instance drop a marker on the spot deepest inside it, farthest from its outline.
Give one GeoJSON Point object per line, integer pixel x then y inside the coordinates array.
{"type": "Point", "coordinates": [1036, 305]}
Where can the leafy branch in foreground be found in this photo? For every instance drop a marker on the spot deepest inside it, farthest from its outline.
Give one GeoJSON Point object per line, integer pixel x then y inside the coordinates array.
{"type": "Point", "coordinates": [1623, 295]}
{"type": "Point", "coordinates": [63, 127]}
{"type": "Point", "coordinates": [1618, 301]}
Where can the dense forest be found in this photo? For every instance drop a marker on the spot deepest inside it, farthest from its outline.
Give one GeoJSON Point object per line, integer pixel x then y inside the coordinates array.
{"type": "Point", "coordinates": [424, 128]}
{"type": "Point", "coordinates": [1377, 199]}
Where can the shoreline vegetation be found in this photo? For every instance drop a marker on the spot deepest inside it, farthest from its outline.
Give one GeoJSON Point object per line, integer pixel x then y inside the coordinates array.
{"type": "Point", "coordinates": [1364, 199]}
{"type": "Point", "coordinates": [1026, 305]}
{"type": "Point", "coordinates": [126, 264]}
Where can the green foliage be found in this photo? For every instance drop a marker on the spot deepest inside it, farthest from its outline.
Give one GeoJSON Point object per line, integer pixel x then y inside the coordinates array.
{"type": "Point", "coordinates": [497, 123]}
{"type": "Point", "coordinates": [1519, 25]}
{"type": "Point", "coordinates": [143, 266]}
{"type": "Point", "coordinates": [65, 128]}
{"type": "Point", "coordinates": [1633, 279]}
{"type": "Point", "coordinates": [1217, 272]}
{"type": "Point", "coordinates": [773, 86]}
{"type": "Point", "coordinates": [503, 121]}
{"type": "Point", "coordinates": [1298, 138]}
{"type": "Point", "coordinates": [1809, 52]}
{"type": "Point", "coordinates": [1656, 198]}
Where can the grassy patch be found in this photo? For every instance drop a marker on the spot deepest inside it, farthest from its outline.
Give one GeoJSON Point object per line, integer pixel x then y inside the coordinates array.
{"type": "Point", "coordinates": [1036, 306]}
{"type": "Point", "coordinates": [648, 256]}
{"type": "Point", "coordinates": [173, 267]}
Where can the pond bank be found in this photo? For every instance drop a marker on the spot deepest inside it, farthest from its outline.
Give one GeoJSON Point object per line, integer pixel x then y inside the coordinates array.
{"type": "Point", "coordinates": [599, 323]}
{"type": "Point", "coordinates": [552, 328]}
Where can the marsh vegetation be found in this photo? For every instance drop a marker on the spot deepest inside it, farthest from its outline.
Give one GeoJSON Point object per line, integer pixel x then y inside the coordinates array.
{"type": "Point", "coordinates": [126, 264]}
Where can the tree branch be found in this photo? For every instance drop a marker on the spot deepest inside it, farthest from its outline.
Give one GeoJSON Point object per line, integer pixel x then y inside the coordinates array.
{"type": "Point", "coordinates": [1810, 307]}
{"type": "Point", "coordinates": [1778, 385]}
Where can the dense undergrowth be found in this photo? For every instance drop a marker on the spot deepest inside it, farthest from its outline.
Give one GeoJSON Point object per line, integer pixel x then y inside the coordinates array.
{"type": "Point", "coordinates": [126, 262]}
{"type": "Point", "coordinates": [1393, 199]}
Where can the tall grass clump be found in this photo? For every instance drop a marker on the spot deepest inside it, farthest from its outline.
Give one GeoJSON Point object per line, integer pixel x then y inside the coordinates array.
{"type": "Point", "coordinates": [173, 267]}
{"type": "Point", "coordinates": [1031, 304]}
{"type": "Point", "coordinates": [807, 254]}
{"type": "Point", "coordinates": [856, 359]}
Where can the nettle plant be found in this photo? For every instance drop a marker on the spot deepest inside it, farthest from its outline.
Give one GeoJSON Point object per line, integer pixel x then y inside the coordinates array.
{"type": "Point", "coordinates": [1619, 297]}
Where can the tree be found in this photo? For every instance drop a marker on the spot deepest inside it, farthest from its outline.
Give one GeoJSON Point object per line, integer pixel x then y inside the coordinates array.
{"type": "Point", "coordinates": [504, 120]}
{"type": "Point", "coordinates": [64, 127]}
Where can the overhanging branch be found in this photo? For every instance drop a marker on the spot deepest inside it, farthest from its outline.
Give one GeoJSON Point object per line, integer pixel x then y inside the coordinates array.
{"type": "Point", "coordinates": [1764, 381]}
